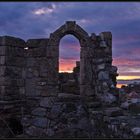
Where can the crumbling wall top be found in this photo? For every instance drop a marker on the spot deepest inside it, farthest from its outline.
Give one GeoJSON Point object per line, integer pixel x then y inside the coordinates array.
{"type": "Point", "coordinates": [12, 41]}
{"type": "Point", "coordinates": [70, 27]}
{"type": "Point", "coordinates": [34, 43]}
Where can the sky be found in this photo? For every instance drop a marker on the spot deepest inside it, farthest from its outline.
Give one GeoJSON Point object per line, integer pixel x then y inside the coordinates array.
{"type": "Point", "coordinates": [28, 20]}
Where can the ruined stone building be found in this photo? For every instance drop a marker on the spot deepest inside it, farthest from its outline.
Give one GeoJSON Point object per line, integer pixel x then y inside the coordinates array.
{"type": "Point", "coordinates": [31, 102]}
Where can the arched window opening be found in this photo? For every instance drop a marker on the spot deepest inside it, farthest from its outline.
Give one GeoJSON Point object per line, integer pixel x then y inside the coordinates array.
{"type": "Point", "coordinates": [69, 64]}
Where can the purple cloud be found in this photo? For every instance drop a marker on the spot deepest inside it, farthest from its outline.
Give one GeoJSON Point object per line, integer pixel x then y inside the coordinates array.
{"type": "Point", "coordinates": [39, 19]}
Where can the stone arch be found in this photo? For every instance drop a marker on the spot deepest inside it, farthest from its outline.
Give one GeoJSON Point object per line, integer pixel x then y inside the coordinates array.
{"type": "Point", "coordinates": [70, 27]}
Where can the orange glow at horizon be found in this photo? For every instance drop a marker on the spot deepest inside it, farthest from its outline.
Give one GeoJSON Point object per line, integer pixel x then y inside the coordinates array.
{"type": "Point", "coordinates": [67, 65]}
{"type": "Point", "coordinates": [69, 53]}
{"type": "Point", "coordinates": [120, 85]}
{"type": "Point", "coordinates": [125, 77]}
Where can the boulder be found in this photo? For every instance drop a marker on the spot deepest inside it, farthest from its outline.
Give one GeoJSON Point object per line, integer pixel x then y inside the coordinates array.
{"type": "Point", "coordinates": [125, 105]}
{"type": "Point", "coordinates": [101, 66]}
{"type": "Point", "coordinates": [39, 111]}
{"type": "Point", "coordinates": [136, 131]}
{"type": "Point", "coordinates": [40, 122]}
{"type": "Point", "coordinates": [68, 96]}
{"type": "Point", "coordinates": [108, 98]}
{"type": "Point", "coordinates": [133, 105]}
{"type": "Point", "coordinates": [113, 111]}
{"type": "Point", "coordinates": [103, 75]}
{"type": "Point", "coordinates": [47, 102]}
{"type": "Point", "coordinates": [134, 108]}
{"type": "Point", "coordinates": [35, 132]}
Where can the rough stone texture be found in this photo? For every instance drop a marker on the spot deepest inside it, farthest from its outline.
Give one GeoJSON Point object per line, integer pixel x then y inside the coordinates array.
{"type": "Point", "coordinates": [39, 112]}
{"type": "Point", "coordinates": [136, 131]}
{"type": "Point", "coordinates": [84, 108]}
{"type": "Point", "coordinates": [114, 111]}
{"type": "Point", "coordinates": [47, 102]}
{"type": "Point", "coordinates": [40, 122]}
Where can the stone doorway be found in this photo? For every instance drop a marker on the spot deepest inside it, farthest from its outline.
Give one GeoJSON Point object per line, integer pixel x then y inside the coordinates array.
{"type": "Point", "coordinates": [70, 27]}
{"type": "Point", "coordinates": [69, 65]}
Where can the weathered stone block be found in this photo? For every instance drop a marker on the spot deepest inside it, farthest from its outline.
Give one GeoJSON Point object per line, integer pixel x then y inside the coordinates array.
{"type": "Point", "coordinates": [70, 24]}
{"type": "Point", "coordinates": [105, 87]}
{"type": "Point", "coordinates": [32, 103]}
{"type": "Point", "coordinates": [52, 51]}
{"type": "Point", "coordinates": [50, 132]}
{"type": "Point", "coordinates": [42, 83]}
{"type": "Point", "coordinates": [49, 91]}
{"type": "Point", "coordinates": [87, 90]}
{"type": "Point", "coordinates": [83, 123]}
{"type": "Point", "coordinates": [44, 71]}
{"type": "Point", "coordinates": [136, 131]}
{"type": "Point", "coordinates": [32, 62]}
{"type": "Point", "coordinates": [93, 37]}
{"type": "Point", "coordinates": [113, 70]}
{"type": "Point", "coordinates": [13, 61]}
{"type": "Point", "coordinates": [94, 104]}
{"type": "Point", "coordinates": [103, 44]}
{"type": "Point", "coordinates": [56, 110]}
{"type": "Point", "coordinates": [105, 35]}
{"type": "Point", "coordinates": [11, 71]}
{"type": "Point", "coordinates": [26, 121]}
{"type": "Point", "coordinates": [15, 51]}
{"type": "Point", "coordinates": [2, 70]}
{"type": "Point", "coordinates": [67, 88]}
{"type": "Point", "coordinates": [35, 132]}
{"type": "Point", "coordinates": [134, 108]}
{"type": "Point", "coordinates": [113, 111]}
{"type": "Point", "coordinates": [9, 90]}
{"type": "Point", "coordinates": [68, 96]}
{"type": "Point", "coordinates": [107, 98]}
{"type": "Point", "coordinates": [101, 67]}
{"type": "Point", "coordinates": [59, 31]}
{"type": "Point", "coordinates": [12, 41]}
{"type": "Point", "coordinates": [11, 97]}
{"type": "Point", "coordinates": [81, 32]}
{"type": "Point", "coordinates": [37, 52]}
{"type": "Point", "coordinates": [22, 91]}
{"type": "Point", "coordinates": [31, 87]}
{"type": "Point", "coordinates": [47, 102]}
{"type": "Point", "coordinates": [54, 39]}
{"type": "Point", "coordinates": [103, 75]}
{"type": "Point", "coordinates": [34, 43]}
{"type": "Point", "coordinates": [3, 50]}
{"type": "Point", "coordinates": [99, 61]}
{"type": "Point", "coordinates": [39, 111]}
{"type": "Point", "coordinates": [40, 122]}
{"type": "Point", "coordinates": [108, 51]}
{"type": "Point", "coordinates": [87, 70]}
{"type": "Point", "coordinates": [2, 60]}
{"type": "Point", "coordinates": [32, 72]}
{"type": "Point", "coordinates": [6, 81]}
{"type": "Point", "coordinates": [87, 52]}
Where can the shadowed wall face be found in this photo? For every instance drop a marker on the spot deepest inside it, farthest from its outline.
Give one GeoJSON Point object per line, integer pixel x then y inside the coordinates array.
{"type": "Point", "coordinates": [12, 74]}
{"type": "Point", "coordinates": [32, 74]}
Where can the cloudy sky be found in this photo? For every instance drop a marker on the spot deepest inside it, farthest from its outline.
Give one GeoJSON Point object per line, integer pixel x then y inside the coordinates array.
{"type": "Point", "coordinates": [38, 19]}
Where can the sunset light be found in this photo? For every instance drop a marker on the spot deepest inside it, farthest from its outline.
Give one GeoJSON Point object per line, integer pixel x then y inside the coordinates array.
{"type": "Point", "coordinates": [120, 85]}
{"type": "Point", "coordinates": [70, 69]}
{"type": "Point", "coordinates": [127, 77]}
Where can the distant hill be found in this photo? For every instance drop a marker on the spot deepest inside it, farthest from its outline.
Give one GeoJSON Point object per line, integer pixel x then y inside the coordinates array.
{"type": "Point", "coordinates": [128, 81]}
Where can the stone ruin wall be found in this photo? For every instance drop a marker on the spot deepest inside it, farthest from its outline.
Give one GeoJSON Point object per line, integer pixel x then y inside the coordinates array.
{"type": "Point", "coordinates": [12, 74]}
{"type": "Point", "coordinates": [29, 77]}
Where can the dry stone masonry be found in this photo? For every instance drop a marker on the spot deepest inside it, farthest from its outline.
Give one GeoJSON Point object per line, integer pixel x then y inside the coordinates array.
{"type": "Point", "coordinates": [45, 103]}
